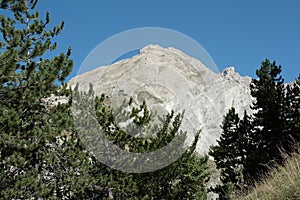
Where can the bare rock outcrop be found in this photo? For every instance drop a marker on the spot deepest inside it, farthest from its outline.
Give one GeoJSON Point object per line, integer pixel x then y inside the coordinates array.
{"type": "Point", "coordinates": [168, 79]}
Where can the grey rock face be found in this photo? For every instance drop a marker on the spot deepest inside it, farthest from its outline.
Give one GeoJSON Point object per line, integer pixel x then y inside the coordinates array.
{"type": "Point", "coordinates": [169, 80]}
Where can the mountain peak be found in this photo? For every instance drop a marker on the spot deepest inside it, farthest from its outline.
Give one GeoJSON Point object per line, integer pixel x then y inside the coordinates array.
{"type": "Point", "coordinates": [151, 47]}
{"type": "Point", "coordinates": [169, 79]}
{"type": "Point", "coordinates": [158, 50]}
{"type": "Point", "coordinates": [230, 74]}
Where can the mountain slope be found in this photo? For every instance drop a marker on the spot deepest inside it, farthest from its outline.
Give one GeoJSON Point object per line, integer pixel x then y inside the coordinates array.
{"type": "Point", "coordinates": [169, 80]}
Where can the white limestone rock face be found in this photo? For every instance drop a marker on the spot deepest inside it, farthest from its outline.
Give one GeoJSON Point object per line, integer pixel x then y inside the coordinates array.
{"type": "Point", "coordinates": [169, 80]}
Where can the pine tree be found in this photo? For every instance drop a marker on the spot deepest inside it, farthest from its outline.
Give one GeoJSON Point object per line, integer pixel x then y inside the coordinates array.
{"type": "Point", "coordinates": [292, 115]}
{"type": "Point", "coordinates": [40, 154]}
{"type": "Point", "coordinates": [183, 179]}
{"type": "Point", "coordinates": [247, 149]}
{"type": "Point", "coordinates": [296, 108]}
{"type": "Point", "coordinates": [247, 145]}
{"type": "Point", "coordinates": [268, 90]}
{"type": "Point", "coordinates": [231, 153]}
{"type": "Point", "coordinates": [186, 178]}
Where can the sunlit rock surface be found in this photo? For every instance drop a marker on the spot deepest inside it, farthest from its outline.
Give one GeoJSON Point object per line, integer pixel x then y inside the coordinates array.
{"type": "Point", "coordinates": [168, 79]}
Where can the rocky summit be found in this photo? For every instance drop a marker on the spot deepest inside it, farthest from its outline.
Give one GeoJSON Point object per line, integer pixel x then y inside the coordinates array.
{"type": "Point", "coordinates": [168, 79]}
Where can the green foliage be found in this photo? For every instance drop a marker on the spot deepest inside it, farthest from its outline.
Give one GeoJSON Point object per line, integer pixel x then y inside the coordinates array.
{"type": "Point", "coordinates": [292, 114]}
{"type": "Point", "coordinates": [183, 179]}
{"type": "Point", "coordinates": [276, 117]}
{"type": "Point", "coordinates": [248, 146]}
{"type": "Point", "coordinates": [232, 153]}
{"type": "Point", "coordinates": [268, 90]}
{"type": "Point", "coordinates": [39, 152]}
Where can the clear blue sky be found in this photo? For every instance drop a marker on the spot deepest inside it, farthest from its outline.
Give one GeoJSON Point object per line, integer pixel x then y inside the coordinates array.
{"type": "Point", "coordinates": [234, 32]}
